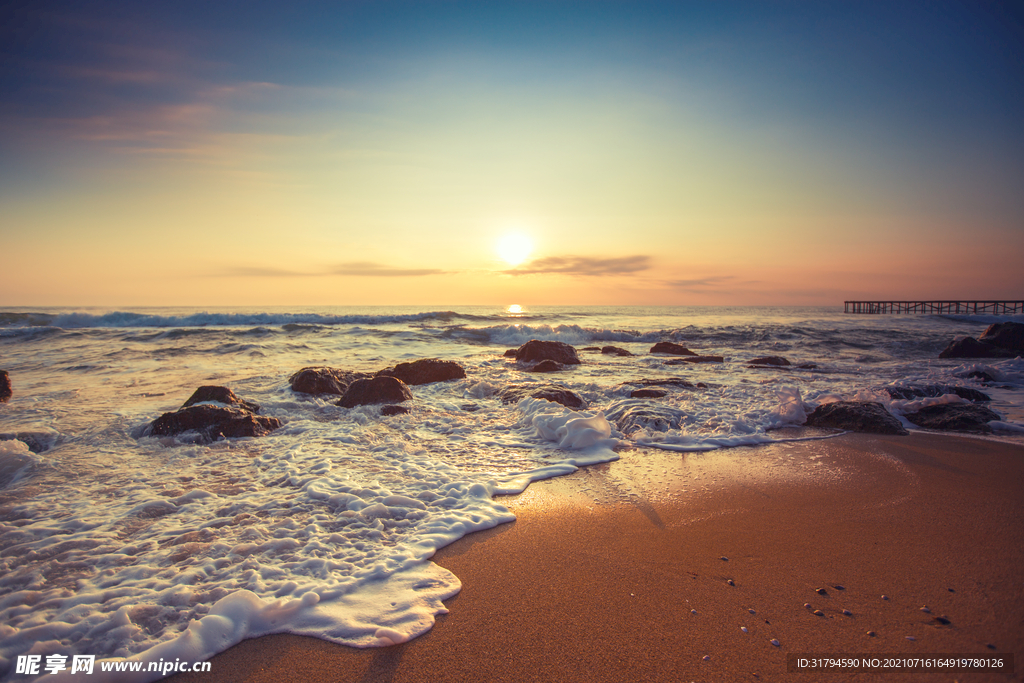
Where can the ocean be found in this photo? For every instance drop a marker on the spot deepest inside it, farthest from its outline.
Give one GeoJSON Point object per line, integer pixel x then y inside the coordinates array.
{"type": "Point", "coordinates": [118, 544]}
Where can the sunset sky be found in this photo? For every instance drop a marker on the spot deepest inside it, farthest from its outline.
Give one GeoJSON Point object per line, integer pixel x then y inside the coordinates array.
{"type": "Point", "coordinates": [268, 153]}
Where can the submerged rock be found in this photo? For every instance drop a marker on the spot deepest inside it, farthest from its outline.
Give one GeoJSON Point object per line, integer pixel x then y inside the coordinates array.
{"type": "Point", "coordinates": [510, 353]}
{"type": "Point", "coordinates": [615, 351]}
{"type": "Point", "coordinates": [769, 360]}
{"type": "Point", "coordinates": [392, 409]}
{"type": "Point", "coordinates": [648, 393]}
{"type": "Point", "coordinates": [546, 366]}
{"type": "Point", "coordinates": [856, 416]}
{"type": "Point", "coordinates": [6, 391]}
{"type": "Point", "coordinates": [631, 416]}
{"type": "Point", "coordinates": [535, 350]}
{"type": "Point", "coordinates": [376, 390]}
{"type": "Point", "coordinates": [37, 441]}
{"type": "Point", "coordinates": [934, 391]}
{"type": "Point", "coordinates": [323, 380]}
{"type": "Point", "coordinates": [205, 394]}
{"type": "Point", "coordinates": [425, 371]}
{"type": "Point", "coordinates": [673, 348]}
{"type": "Point", "coordinates": [548, 392]}
{"type": "Point", "coordinates": [212, 422]}
{"type": "Point", "coordinates": [958, 417]}
{"type": "Point", "coordinates": [695, 359]}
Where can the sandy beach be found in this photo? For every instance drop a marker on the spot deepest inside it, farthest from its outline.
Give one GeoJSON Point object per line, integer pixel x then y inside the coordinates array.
{"type": "Point", "coordinates": [649, 569]}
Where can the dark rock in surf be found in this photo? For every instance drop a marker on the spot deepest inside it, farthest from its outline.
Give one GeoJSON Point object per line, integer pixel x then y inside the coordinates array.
{"type": "Point", "coordinates": [376, 390]}
{"type": "Point", "coordinates": [425, 371]}
{"type": "Point", "coordinates": [546, 366]}
{"type": "Point", "coordinates": [769, 360]}
{"type": "Point", "coordinates": [934, 391]}
{"type": "Point", "coordinates": [695, 359]}
{"type": "Point", "coordinates": [614, 351]}
{"type": "Point", "coordinates": [1009, 336]}
{"type": "Point", "coordinates": [37, 442]}
{"type": "Point", "coordinates": [957, 417]}
{"type": "Point", "coordinates": [590, 348]}
{"type": "Point", "coordinates": [668, 382]}
{"type": "Point", "coordinates": [510, 353]}
{"type": "Point", "coordinates": [672, 348]}
{"type": "Point", "coordinates": [323, 380]}
{"type": "Point", "coordinates": [212, 422]}
{"type": "Point", "coordinates": [969, 347]}
{"type": "Point", "coordinates": [548, 392]}
{"type": "Point", "coordinates": [392, 409]}
{"type": "Point", "coordinates": [632, 416]}
{"type": "Point", "coordinates": [6, 391]}
{"type": "Point", "coordinates": [856, 416]}
{"type": "Point", "coordinates": [206, 394]}
{"type": "Point", "coordinates": [535, 351]}
{"type": "Point", "coordinates": [979, 375]}
{"type": "Point", "coordinates": [648, 393]}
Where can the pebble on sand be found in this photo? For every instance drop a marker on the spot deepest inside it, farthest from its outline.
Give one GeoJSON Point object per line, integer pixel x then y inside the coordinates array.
{"type": "Point", "coordinates": [911, 638]}
{"type": "Point", "coordinates": [871, 634]}
{"type": "Point", "coordinates": [693, 611]}
{"type": "Point", "coordinates": [752, 611]}
{"type": "Point", "coordinates": [808, 605]}
{"type": "Point", "coordinates": [743, 628]}
{"type": "Point", "coordinates": [847, 613]}
{"type": "Point", "coordinates": [775, 642]}
{"type": "Point", "coordinates": [885, 597]}
{"type": "Point", "coordinates": [818, 613]}
{"type": "Point", "coordinates": [925, 609]}
{"type": "Point", "coordinates": [731, 582]}
{"type": "Point", "coordinates": [707, 658]}
{"type": "Point", "coordinates": [821, 591]}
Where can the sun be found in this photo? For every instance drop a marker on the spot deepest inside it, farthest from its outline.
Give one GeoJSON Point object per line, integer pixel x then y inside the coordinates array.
{"type": "Point", "coordinates": [514, 248]}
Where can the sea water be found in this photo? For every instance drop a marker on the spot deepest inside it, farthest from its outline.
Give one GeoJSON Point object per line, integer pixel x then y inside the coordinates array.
{"type": "Point", "coordinates": [121, 545]}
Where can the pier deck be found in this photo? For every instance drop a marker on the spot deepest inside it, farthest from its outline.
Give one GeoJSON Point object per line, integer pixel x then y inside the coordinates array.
{"type": "Point", "coordinates": [938, 307]}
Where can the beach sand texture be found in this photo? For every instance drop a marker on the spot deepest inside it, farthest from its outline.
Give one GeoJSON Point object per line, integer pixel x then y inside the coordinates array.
{"type": "Point", "coordinates": [620, 572]}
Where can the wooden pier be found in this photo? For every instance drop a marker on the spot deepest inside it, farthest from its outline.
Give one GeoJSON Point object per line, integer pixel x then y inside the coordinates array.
{"type": "Point", "coordinates": [937, 307]}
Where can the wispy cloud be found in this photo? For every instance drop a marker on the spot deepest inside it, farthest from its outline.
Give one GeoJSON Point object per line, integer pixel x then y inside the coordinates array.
{"type": "Point", "coordinates": [584, 265]}
{"type": "Point", "coordinates": [368, 269]}
{"type": "Point", "coordinates": [356, 269]}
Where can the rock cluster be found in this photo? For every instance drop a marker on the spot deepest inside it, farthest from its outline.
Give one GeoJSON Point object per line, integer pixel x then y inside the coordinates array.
{"type": "Point", "coordinates": [999, 340]}
{"type": "Point", "coordinates": [5, 387]}
{"type": "Point", "coordinates": [213, 413]}
{"type": "Point", "coordinates": [323, 380]}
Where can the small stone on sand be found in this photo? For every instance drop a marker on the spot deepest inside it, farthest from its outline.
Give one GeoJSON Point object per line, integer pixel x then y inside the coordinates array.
{"type": "Point", "coordinates": [821, 591]}
{"type": "Point", "coordinates": [775, 642]}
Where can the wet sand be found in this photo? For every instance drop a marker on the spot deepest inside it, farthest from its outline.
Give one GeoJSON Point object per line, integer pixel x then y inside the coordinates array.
{"type": "Point", "coordinates": [596, 579]}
